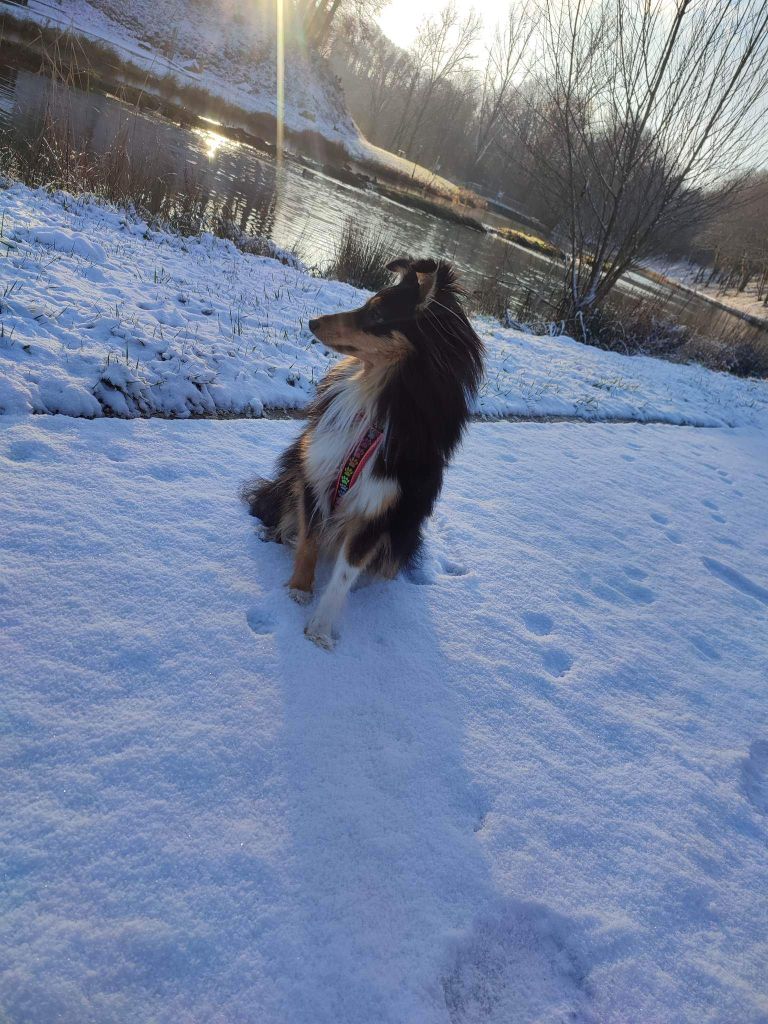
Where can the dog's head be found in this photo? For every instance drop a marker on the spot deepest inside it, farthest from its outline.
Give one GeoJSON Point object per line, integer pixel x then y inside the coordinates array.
{"type": "Point", "coordinates": [382, 330]}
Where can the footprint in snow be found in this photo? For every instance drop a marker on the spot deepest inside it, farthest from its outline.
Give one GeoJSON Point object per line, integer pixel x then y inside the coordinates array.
{"type": "Point", "coordinates": [451, 568]}
{"type": "Point", "coordinates": [259, 621]}
{"type": "Point", "coordinates": [754, 776]}
{"type": "Point", "coordinates": [522, 962]}
{"type": "Point", "coordinates": [426, 575]}
{"type": "Point", "coordinates": [708, 503]}
{"type": "Point", "coordinates": [538, 623]}
{"type": "Point", "coordinates": [705, 648]}
{"type": "Point", "coordinates": [556, 661]}
{"type": "Point", "coordinates": [731, 542]}
{"type": "Point", "coordinates": [164, 471]}
{"type": "Point", "coordinates": [117, 454]}
{"type": "Point", "coordinates": [29, 451]}
{"type": "Point", "coordinates": [420, 576]}
{"type": "Point", "coordinates": [615, 588]}
{"type": "Point", "coordinates": [663, 520]}
{"type": "Point", "coordinates": [634, 573]}
{"type": "Point", "coordinates": [735, 579]}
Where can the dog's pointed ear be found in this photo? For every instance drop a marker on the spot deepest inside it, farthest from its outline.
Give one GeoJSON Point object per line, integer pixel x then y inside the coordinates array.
{"type": "Point", "coordinates": [400, 266]}
{"type": "Point", "coordinates": [426, 272]}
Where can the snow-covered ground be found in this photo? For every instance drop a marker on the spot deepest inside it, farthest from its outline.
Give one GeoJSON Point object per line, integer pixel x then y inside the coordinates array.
{"type": "Point", "coordinates": [688, 274]}
{"type": "Point", "coordinates": [99, 313]}
{"type": "Point", "coordinates": [530, 786]}
{"type": "Point", "coordinates": [229, 52]}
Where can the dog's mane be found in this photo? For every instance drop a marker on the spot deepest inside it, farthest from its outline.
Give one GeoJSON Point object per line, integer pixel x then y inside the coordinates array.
{"type": "Point", "coordinates": [426, 400]}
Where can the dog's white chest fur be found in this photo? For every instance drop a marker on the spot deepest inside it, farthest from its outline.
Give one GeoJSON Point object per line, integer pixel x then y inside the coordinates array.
{"type": "Point", "coordinates": [345, 420]}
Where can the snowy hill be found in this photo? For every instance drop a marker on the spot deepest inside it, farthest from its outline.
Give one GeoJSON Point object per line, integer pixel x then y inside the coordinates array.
{"type": "Point", "coordinates": [224, 47]}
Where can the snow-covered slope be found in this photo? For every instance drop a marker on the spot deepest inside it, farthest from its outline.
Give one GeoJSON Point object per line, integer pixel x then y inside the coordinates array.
{"type": "Point", "coordinates": [98, 313]}
{"type": "Point", "coordinates": [529, 787]}
{"type": "Point", "coordinates": [225, 47]}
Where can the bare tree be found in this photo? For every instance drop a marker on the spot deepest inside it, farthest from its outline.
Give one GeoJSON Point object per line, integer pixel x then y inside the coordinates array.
{"type": "Point", "coordinates": [388, 67]}
{"type": "Point", "coordinates": [505, 60]}
{"type": "Point", "coordinates": [442, 49]}
{"type": "Point", "coordinates": [644, 109]}
{"type": "Point", "coordinates": [733, 245]}
{"type": "Point", "coordinates": [320, 16]}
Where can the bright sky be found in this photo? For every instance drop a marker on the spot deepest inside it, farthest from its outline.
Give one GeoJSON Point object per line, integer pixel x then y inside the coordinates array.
{"type": "Point", "coordinates": [401, 18]}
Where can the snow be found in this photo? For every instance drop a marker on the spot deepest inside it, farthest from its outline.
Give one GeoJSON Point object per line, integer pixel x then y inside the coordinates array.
{"type": "Point", "coordinates": [102, 314]}
{"type": "Point", "coordinates": [531, 783]}
{"type": "Point", "coordinates": [65, 242]}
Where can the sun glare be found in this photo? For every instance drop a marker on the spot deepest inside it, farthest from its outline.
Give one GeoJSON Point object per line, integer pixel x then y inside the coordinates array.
{"type": "Point", "coordinates": [213, 141]}
{"type": "Point", "coordinates": [280, 78]}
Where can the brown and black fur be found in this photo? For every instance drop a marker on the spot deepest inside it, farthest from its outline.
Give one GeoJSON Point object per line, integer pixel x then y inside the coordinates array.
{"type": "Point", "coordinates": [413, 364]}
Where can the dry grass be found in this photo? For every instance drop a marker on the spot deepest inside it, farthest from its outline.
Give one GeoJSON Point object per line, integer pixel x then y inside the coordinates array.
{"type": "Point", "coordinates": [360, 258]}
{"type": "Point", "coordinates": [527, 241]}
{"type": "Point", "coordinates": [744, 355]}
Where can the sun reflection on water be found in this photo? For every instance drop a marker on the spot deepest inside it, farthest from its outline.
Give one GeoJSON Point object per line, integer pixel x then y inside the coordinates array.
{"type": "Point", "coordinates": [213, 142]}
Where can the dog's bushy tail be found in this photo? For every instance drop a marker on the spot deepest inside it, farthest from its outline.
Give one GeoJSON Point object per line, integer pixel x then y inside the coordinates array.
{"type": "Point", "coordinates": [263, 500]}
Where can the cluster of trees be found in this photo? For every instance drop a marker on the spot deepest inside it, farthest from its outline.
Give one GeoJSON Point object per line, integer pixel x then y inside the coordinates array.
{"type": "Point", "coordinates": [618, 124]}
{"type": "Point", "coordinates": [733, 244]}
{"type": "Point", "coordinates": [321, 19]}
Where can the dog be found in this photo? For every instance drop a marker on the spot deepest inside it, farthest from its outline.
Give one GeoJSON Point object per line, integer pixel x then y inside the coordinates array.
{"type": "Point", "coordinates": [364, 475]}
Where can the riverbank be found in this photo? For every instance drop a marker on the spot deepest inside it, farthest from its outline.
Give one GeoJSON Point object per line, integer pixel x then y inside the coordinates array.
{"type": "Point", "coordinates": [104, 314]}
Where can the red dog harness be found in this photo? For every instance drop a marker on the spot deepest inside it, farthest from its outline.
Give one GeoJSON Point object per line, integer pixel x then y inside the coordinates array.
{"type": "Point", "coordinates": [355, 462]}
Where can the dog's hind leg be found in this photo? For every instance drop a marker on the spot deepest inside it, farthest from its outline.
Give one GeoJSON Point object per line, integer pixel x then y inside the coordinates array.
{"type": "Point", "coordinates": [307, 548]}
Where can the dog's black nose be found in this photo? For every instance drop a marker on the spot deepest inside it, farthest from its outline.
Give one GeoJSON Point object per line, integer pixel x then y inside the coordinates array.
{"type": "Point", "coordinates": [313, 324]}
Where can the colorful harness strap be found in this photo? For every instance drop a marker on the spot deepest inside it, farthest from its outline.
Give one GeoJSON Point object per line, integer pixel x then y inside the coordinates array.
{"type": "Point", "coordinates": [355, 462]}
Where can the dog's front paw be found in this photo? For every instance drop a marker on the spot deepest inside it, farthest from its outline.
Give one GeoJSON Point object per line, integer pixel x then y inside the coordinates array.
{"type": "Point", "coordinates": [300, 596]}
{"type": "Point", "coordinates": [320, 634]}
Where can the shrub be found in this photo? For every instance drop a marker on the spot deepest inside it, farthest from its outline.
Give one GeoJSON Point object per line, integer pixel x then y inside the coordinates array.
{"type": "Point", "coordinates": [634, 330]}
{"type": "Point", "coordinates": [493, 298]}
{"type": "Point", "coordinates": [360, 258]}
{"type": "Point", "coordinates": [744, 356]}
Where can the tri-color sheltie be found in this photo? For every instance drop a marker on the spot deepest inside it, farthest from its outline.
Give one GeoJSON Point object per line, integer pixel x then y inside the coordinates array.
{"type": "Point", "coordinates": [363, 476]}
